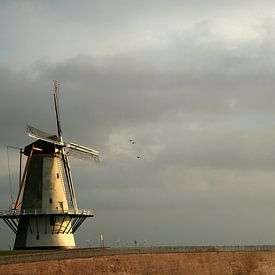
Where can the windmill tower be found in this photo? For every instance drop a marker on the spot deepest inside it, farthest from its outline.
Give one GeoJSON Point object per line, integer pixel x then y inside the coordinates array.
{"type": "Point", "coordinates": [45, 214]}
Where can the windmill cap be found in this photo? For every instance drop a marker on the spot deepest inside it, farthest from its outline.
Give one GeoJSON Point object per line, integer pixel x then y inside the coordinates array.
{"type": "Point", "coordinates": [41, 147]}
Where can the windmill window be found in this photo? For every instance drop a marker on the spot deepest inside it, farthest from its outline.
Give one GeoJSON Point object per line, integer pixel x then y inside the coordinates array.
{"type": "Point", "coordinates": [37, 237]}
{"type": "Point", "coordinates": [50, 200]}
{"type": "Point", "coordinates": [57, 175]}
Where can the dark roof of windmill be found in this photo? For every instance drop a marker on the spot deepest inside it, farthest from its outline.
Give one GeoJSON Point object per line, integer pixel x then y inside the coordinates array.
{"type": "Point", "coordinates": [40, 147]}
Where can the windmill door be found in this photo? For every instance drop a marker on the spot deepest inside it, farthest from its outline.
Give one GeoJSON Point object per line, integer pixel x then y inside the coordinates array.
{"type": "Point", "coordinates": [60, 206]}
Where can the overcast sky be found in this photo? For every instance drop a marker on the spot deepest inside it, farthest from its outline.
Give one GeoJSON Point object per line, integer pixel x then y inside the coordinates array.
{"type": "Point", "coordinates": [192, 82]}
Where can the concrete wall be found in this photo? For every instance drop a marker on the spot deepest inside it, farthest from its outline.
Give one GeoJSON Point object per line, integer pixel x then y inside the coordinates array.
{"type": "Point", "coordinates": [259, 262]}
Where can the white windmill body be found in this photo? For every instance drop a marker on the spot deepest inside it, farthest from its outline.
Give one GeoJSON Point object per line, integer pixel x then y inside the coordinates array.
{"type": "Point", "coordinates": [45, 214]}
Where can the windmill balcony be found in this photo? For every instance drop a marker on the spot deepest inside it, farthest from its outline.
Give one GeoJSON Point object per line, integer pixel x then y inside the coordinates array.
{"type": "Point", "coordinates": [34, 212]}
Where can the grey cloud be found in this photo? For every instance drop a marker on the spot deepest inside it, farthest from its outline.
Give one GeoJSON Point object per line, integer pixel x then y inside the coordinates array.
{"type": "Point", "coordinates": [201, 109]}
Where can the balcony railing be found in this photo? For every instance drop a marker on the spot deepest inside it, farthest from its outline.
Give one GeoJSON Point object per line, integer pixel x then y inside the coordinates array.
{"type": "Point", "coordinates": [23, 212]}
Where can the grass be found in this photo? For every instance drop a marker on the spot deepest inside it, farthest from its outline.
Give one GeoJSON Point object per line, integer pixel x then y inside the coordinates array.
{"type": "Point", "coordinates": [17, 252]}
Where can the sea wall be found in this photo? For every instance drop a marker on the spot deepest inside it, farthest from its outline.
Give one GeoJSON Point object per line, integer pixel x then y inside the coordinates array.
{"type": "Point", "coordinates": [257, 262]}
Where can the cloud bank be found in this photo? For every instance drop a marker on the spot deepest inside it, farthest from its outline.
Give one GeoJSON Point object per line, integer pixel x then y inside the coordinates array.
{"type": "Point", "coordinates": [191, 83]}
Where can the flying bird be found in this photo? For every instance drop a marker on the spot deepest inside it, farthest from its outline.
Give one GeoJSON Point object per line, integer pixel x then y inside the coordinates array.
{"type": "Point", "coordinates": [133, 142]}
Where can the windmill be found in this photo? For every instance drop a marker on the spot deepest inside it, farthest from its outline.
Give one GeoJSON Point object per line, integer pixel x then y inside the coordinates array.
{"type": "Point", "coordinates": [45, 214]}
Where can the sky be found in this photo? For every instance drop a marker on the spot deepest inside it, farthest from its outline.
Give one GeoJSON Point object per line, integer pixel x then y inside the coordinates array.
{"type": "Point", "coordinates": [190, 81]}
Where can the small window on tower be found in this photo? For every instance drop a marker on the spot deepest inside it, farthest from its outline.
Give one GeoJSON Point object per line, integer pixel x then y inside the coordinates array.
{"type": "Point", "coordinates": [50, 200]}
{"type": "Point", "coordinates": [57, 175]}
{"type": "Point", "coordinates": [37, 237]}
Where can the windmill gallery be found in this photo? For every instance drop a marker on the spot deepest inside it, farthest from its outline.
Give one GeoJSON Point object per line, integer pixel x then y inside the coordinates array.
{"type": "Point", "coordinates": [45, 214]}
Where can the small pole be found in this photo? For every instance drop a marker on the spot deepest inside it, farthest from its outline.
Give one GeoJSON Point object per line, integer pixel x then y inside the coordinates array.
{"type": "Point", "coordinates": [89, 243]}
{"type": "Point", "coordinates": [20, 166]}
{"type": "Point", "coordinates": [102, 240]}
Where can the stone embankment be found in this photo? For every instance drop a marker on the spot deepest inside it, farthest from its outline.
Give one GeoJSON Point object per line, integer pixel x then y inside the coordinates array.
{"type": "Point", "coordinates": [211, 261]}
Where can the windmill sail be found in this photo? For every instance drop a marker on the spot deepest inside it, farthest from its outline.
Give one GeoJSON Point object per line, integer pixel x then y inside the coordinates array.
{"type": "Point", "coordinates": [38, 134]}
{"type": "Point", "coordinates": [69, 181]}
{"type": "Point", "coordinates": [72, 149]}
{"type": "Point", "coordinates": [81, 152]}
{"type": "Point", "coordinates": [56, 107]}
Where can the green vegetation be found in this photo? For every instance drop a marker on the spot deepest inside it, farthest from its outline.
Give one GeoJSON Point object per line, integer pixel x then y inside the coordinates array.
{"type": "Point", "coordinates": [16, 252]}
